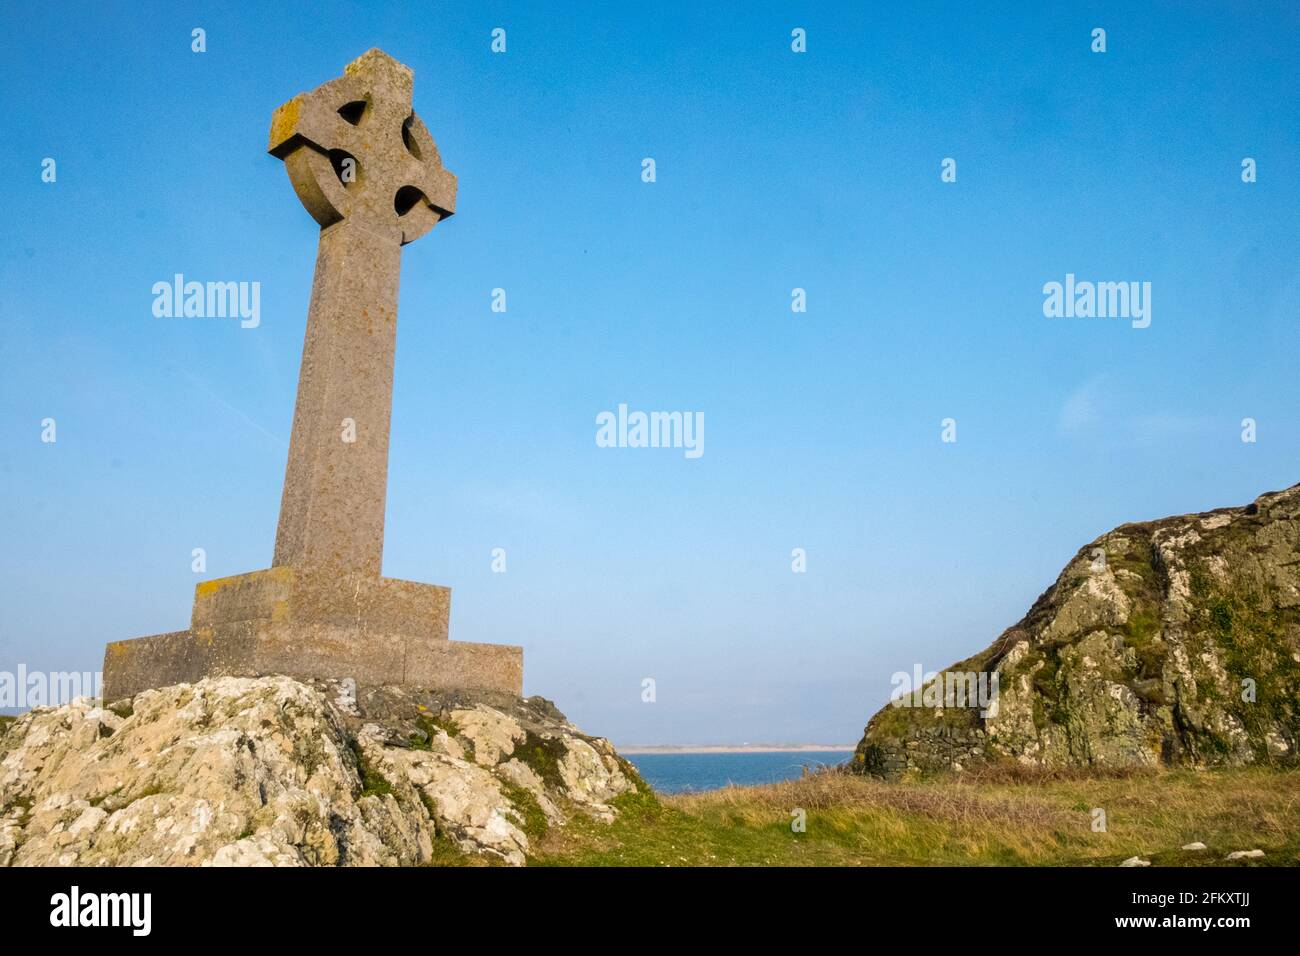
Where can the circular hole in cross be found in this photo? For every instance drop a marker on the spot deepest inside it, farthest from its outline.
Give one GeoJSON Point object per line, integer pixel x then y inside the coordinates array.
{"type": "Point", "coordinates": [408, 137]}
{"type": "Point", "coordinates": [352, 112]}
{"type": "Point", "coordinates": [406, 199]}
{"type": "Point", "coordinates": [345, 167]}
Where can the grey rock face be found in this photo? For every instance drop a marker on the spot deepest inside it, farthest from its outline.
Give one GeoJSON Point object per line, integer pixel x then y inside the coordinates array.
{"type": "Point", "coordinates": [1171, 642]}
{"type": "Point", "coordinates": [275, 772]}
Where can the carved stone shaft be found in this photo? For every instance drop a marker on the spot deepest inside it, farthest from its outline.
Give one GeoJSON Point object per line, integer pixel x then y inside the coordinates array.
{"type": "Point", "coordinates": [336, 478]}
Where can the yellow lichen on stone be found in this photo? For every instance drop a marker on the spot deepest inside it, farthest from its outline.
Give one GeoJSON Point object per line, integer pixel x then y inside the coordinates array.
{"type": "Point", "coordinates": [208, 588]}
{"type": "Point", "coordinates": [284, 123]}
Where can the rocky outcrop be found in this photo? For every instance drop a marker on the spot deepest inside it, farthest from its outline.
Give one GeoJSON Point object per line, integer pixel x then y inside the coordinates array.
{"type": "Point", "coordinates": [276, 772]}
{"type": "Point", "coordinates": [1167, 642]}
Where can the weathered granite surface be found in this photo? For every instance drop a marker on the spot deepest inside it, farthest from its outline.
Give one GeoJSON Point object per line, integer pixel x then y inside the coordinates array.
{"type": "Point", "coordinates": [1181, 646]}
{"type": "Point", "coordinates": [276, 772]}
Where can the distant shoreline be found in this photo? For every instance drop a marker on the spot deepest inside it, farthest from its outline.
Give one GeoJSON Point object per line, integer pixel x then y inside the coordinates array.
{"type": "Point", "coordinates": [735, 749]}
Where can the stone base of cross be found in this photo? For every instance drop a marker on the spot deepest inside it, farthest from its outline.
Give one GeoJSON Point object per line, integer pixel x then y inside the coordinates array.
{"type": "Point", "coordinates": [368, 171]}
{"type": "Point", "coordinates": [286, 620]}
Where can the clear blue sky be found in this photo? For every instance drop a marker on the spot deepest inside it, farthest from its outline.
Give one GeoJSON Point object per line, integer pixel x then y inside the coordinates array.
{"type": "Point", "coordinates": [775, 170]}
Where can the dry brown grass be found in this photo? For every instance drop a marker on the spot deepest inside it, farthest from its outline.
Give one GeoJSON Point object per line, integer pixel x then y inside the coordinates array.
{"type": "Point", "coordinates": [999, 816]}
{"type": "Point", "coordinates": [831, 789]}
{"type": "Point", "coordinates": [1011, 771]}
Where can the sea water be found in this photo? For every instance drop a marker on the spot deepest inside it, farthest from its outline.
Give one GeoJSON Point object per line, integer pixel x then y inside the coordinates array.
{"type": "Point", "coordinates": [687, 772]}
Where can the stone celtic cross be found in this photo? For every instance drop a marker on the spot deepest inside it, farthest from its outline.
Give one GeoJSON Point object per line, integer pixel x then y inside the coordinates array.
{"type": "Point", "coordinates": [368, 171]}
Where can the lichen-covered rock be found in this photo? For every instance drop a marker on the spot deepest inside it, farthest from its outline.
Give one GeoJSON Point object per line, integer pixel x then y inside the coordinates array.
{"type": "Point", "coordinates": [275, 772]}
{"type": "Point", "coordinates": [1174, 641]}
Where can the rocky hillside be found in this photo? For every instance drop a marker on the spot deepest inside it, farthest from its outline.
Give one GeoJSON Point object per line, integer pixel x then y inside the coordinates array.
{"type": "Point", "coordinates": [1170, 642]}
{"type": "Point", "coordinates": [274, 772]}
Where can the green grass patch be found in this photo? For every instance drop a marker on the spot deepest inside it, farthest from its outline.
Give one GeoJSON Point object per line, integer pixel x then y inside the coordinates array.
{"type": "Point", "coordinates": [373, 783]}
{"type": "Point", "coordinates": [532, 818]}
{"type": "Point", "coordinates": [543, 756]}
